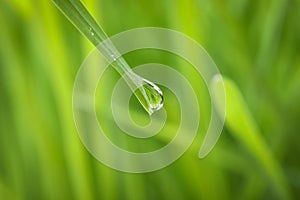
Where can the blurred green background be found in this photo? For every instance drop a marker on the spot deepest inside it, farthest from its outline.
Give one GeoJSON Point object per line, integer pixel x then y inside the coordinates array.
{"type": "Point", "coordinates": [255, 44]}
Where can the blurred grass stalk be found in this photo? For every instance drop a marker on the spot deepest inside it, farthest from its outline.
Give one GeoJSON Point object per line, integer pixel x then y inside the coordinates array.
{"type": "Point", "coordinates": [242, 125]}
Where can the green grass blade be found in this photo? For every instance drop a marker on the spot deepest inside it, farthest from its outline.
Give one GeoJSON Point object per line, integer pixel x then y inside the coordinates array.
{"type": "Point", "coordinates": [243, 127]}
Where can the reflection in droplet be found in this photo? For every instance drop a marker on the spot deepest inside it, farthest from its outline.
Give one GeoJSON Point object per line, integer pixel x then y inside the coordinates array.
{"type": "Point", "coordinates": [150, 96]}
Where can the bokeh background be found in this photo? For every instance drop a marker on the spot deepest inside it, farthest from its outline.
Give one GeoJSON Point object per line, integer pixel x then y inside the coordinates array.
{"type": "Point", "coordinates": [255, 44]}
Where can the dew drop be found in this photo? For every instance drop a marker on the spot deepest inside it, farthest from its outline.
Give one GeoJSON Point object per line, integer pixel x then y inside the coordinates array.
{"type": "Point", "coordinates": [150, 96]}
{"type": "Point", "coordinates": [91, 31]}
{"type": "Point", "coordinates": [113, 57]}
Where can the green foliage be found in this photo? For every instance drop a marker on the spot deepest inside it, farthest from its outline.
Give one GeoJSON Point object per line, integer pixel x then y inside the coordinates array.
{"type": "Point", "coordinates": [254, 43]}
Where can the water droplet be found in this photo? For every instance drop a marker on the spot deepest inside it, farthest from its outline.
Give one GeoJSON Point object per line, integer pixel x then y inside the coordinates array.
{"type": "Point", "coordinates": [113, 57]}
{"type": "Point", "coordinates": [150, 96]}
{"type": "Point", "coordinates": [91, 31]}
